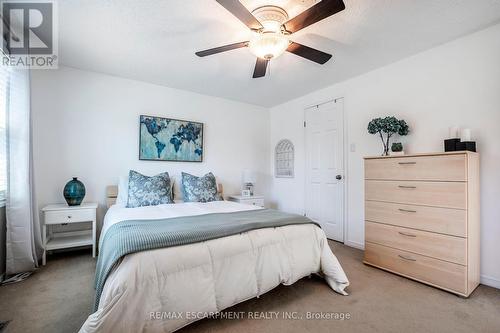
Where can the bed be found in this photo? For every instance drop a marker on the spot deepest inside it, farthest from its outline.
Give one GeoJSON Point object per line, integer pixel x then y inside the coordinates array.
{"type": "Point", "coordinates": [165, 288]}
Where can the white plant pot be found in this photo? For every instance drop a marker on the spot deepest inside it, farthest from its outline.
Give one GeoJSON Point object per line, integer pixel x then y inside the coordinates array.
{"type": "Point", "coordinates": [397, 153]}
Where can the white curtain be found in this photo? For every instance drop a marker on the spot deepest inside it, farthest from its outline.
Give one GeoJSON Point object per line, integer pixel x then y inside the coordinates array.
{"type": "Point", "coordinates": [24, 245]}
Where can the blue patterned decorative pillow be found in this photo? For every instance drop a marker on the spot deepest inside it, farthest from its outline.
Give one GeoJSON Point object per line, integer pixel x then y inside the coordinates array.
{"type": "Point", "coordinates": [148, 191]}
{"type": "Point", "coordinates": [199, 189]}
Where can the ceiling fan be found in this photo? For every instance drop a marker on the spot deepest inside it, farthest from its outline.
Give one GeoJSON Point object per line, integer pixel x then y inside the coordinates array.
{"type": "Point", "coordinates": [272, 29]}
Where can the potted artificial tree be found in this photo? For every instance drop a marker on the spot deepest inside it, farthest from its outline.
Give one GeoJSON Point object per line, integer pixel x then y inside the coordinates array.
{"type": "Point", "coordinates": [386, 128]}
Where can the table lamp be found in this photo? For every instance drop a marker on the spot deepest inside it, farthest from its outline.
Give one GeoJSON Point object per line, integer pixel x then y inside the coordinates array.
{"type": "Point", "coordinates": [249, 180]}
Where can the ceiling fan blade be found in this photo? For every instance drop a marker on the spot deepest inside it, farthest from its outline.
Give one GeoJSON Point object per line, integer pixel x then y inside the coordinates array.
{"type": "Point", "coordinates": [260, 68]}
{"type": "Point", "coordinates": [220, 49]}
{"type": "Point", "coordinates": [242, 13]}
{"type": "Point", "coordinates": [316, 13]}
{"type": "Point", "coordinates": [309, 53]}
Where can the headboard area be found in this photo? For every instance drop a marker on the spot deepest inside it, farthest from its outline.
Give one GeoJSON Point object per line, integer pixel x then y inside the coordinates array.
{"type": "Point", "coordinates": [112, 194]}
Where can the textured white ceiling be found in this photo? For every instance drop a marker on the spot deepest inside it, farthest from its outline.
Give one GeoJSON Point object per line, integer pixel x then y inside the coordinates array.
{"type": "Point", "coordinates": [155, 41]}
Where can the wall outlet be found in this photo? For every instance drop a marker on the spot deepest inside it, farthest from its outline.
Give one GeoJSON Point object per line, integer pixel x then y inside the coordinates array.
{"type": "Point", "coordinates": [353, 148]}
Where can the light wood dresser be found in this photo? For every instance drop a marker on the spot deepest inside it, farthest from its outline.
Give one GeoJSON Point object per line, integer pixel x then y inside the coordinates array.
{"type": "Point", "coordinates": [422, 218]}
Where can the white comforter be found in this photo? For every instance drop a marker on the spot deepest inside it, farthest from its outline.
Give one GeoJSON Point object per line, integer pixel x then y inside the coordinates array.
{"type": "Point", "coordinates": [165, 289]}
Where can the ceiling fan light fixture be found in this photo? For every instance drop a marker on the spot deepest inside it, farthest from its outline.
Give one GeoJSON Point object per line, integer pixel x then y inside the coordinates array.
{"type": "Point", "coordinates": [272, 28]}
{"type": "Point", "coordinates": [270, 42]}
{"type": "Point", "coordinates": [268, 45]}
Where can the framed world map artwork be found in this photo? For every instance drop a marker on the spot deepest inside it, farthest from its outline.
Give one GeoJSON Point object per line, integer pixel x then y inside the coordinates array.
{"type": "Point", "coordinates": [165, 139]}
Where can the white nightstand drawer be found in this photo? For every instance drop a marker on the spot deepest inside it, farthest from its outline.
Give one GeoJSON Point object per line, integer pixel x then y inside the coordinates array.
{"type": "Point", "coordinates": [255, 202]}
{"type": "Point", "coordinates": [69, 216]}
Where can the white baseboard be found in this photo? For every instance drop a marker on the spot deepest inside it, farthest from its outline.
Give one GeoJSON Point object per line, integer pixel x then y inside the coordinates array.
{"type": "Point", "coordinates": [490, 281]}
{"type": "Point", "coordinates": [356, 245]}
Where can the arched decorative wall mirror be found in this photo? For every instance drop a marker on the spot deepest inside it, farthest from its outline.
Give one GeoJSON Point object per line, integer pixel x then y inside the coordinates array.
{"type": "Point", "coordinates": [284, 159]}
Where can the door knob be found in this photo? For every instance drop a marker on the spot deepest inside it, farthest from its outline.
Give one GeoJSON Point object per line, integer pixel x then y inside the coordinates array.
{"type": "Point", "coordinates": [338, 177]}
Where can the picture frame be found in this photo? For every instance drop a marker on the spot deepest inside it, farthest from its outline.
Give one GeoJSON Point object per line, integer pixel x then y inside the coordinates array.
{"type": "Point", "coordinates": [245, 193]}
{"type": "Point", "coordinates": [169, 139]}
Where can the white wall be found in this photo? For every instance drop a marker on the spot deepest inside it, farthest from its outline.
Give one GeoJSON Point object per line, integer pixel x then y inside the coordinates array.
{"type": "Point", "coordinates": [455, 83]}
{"type": "Point", "coordinates": [86, 125]}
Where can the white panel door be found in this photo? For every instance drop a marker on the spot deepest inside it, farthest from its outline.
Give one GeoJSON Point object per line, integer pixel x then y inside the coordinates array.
{"type": "Point", "coordinates": [324, 126]}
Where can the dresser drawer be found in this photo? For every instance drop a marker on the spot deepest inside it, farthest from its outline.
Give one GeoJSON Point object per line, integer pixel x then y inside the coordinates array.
{"type": "Point", "coordinates": [439, 168]}
{"type": "Point", "coordinates": [443, 220]}
{"type": "Point", "coordinates": [433, 271]}
{"type": "Point", "coordinates": [69, 216]}
{"type": "Point", "coordinates": [436, 194]}
{"type": "Point", "coordinates": [449, 248]}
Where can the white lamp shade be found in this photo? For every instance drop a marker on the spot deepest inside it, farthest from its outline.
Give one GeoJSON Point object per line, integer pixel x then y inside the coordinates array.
{"type": "Point", "coordinates": [249, 176]}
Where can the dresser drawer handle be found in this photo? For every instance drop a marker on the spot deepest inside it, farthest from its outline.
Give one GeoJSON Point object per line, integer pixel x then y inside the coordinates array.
{"type": "Point", "coordinates": [406, 258]}
{"type": "Point", "coordinates": [407, 210]}
{"type": "Point", "coordinates": [407, 163]}
{"type": "Point", "coordinates": [405, 186]}
{"type": "Point", "coordinates": [405, 234]}
{"type": "Point", "coordinates": [69, 216]}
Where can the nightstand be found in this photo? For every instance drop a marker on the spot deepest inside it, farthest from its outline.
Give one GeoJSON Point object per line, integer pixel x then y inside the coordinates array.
{"type": "Point", "coordinates": [62, 214]}
{"type": "Point", "coordinates": [256, 200]}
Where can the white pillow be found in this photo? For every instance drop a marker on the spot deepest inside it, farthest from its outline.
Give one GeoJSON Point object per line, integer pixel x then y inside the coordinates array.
{"type": "Point", "coordinates": [122, 197]}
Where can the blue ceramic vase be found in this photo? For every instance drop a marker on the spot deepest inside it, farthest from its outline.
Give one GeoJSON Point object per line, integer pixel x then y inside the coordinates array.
{"type": "Point", "coordinates": [74, 192]}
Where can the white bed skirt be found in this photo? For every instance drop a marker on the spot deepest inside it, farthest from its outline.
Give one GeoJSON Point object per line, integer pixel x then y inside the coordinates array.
{"type": "Point", "coordinates": [165, 289]}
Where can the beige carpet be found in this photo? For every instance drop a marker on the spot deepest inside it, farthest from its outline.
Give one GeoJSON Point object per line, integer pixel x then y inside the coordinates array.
{"type": "Point", "coordinates": [58, 298]}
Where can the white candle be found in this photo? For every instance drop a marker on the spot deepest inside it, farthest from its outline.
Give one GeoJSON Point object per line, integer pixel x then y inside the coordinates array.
{"type": "Point", "coordinates": [453, 132]}
{"type": "Point", "coordinates": [465, 135]}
